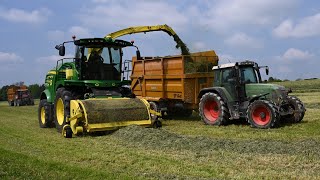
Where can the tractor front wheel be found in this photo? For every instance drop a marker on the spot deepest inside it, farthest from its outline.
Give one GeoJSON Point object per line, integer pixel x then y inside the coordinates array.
{"type": "Point", "coordinates": [296, 105]}
{"type": "Point", "coordinates": [45, 114]}
{"type": "Point", "coordinates": [262, 114]}
{"type": "Point", "coordinates": [213, 110]}
{"type": "Point", "coordinates": [62, 108]}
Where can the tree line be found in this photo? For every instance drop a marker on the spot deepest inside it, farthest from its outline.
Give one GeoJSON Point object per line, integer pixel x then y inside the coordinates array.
{"type": "Point", "coordinates": [35, 90]}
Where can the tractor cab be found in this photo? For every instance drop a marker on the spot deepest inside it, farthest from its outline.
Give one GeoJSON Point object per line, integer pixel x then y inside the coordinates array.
{"type": "Point", "coordinates": [236, 77]}
{"type": "Point", "coordinates": [98, 58]}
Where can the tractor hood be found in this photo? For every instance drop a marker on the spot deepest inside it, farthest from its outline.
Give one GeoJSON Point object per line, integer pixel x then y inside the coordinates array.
{"type": "Point", "coordinates": [275, 92]}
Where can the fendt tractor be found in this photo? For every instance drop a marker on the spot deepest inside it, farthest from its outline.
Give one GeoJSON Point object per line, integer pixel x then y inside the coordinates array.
{"type": "Point", "coordinates": [88, 93]}
{"type": "Point", "coordinates": [238, 92]}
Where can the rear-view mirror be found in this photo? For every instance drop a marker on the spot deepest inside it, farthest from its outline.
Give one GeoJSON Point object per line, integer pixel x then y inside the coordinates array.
{"type": "Point", "coordinates": [62, 49]}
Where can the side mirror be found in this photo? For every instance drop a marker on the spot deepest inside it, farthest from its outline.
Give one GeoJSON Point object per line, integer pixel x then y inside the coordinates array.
{"type": "Point", "coordinates": [267, 70]}
{"type": "Point", "coordinates": [62, 49]}
{"type": "Point", "coordinates": [138, 54]}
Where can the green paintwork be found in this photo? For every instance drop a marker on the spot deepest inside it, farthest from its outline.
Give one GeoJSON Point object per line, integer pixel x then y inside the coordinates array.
{"type": "Point", "coordinates": [275, 91]}
{"type": "Point", "coordinates": [56, 78]}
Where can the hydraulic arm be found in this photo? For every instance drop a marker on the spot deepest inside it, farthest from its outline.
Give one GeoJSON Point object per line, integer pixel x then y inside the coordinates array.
{"type": "Point", "coordinates": [144, 29]}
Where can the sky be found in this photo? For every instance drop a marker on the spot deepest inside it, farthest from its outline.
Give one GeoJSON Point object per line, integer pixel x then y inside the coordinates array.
{"type": "Point", "coordinates": [283, 35]}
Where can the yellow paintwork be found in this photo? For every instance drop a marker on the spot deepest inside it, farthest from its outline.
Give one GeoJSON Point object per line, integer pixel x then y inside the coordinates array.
{"type": "Point", "coordinates": [78, 113]}
{"type": "Point", "coordinates": [69, 74]}
{"type": "Point", "coordinates": [43, 115]}
{"type": "Point", "coordinates": [139, 29]}
{"type": "Point", "coordinates": [52, 72]}
{"type": "Point", "coordinates": [60, 111]}
{"type": "Point", "coordinates": [115, 125]}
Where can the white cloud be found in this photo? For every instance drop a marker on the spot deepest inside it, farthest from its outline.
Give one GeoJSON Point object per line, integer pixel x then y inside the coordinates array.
{"type": "Point", "coordinates": [80, 32]}
{"type": "Point", "coordinates": [19, 15]}
{"type": "Point", "coordinates": [51, 60]}
{"type": "Point", "coordinates": [198, 46]}
{"type": "Point", "coordinates": [115, 15]}
{"type": "Point", "coordinates": [9, 58]}
{"type": "Point", "coordinates": [242, 40]}
{"type": "Point", "coordinates": [306, 27]}
{"type": "Point", "coordinates": [226, 14]}
{"type": "Point", "coordinates": [60, 36]}
{"type": "Point", "coordinates": [295, 54]}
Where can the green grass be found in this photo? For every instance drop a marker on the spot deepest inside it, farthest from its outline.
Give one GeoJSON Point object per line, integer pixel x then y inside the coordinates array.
{"type": "Point", "coordinates": [182, 149]}
{"type": "Point", "coordinates": [302, 85]}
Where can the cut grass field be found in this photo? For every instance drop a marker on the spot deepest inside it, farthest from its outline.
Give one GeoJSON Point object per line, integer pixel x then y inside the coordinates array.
{"type": "Point", "coordinates": [182, 149]}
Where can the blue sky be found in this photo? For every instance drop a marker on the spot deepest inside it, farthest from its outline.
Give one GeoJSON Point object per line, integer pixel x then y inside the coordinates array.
{"type": "Point", "coordinates": [281, 34]}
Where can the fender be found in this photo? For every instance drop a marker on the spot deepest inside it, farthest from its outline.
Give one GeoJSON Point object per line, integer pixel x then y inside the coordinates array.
{"type": "Point", "coordinates": [226, 97]}
{"type": "Point", "coordinates": [46, 95]}
{"type": "Point", "coordinates": [219, 90]}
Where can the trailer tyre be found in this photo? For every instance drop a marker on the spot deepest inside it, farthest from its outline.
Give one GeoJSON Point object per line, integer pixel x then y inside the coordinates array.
{"type": "Point", "coordinates": [213, 110]}
{"type": "Point", "coordinates": [62, 108]}
{"type": "Point", "coordinates": [44, 114]}
{"type": "Point", "coordinates": [262, 114]}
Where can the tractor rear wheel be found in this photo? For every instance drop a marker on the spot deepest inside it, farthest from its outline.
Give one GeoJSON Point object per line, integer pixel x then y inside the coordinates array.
{"type": "Point", "coordinates": [213, 110]}
{"type": "Point", "coordinates": [45, 114]}
{"type": "Point", "coordinates": [297, 106]}
{"type": "Point", "coordinates": [262, 114]}
{"type": "Point", "coordinates": [62, 108]}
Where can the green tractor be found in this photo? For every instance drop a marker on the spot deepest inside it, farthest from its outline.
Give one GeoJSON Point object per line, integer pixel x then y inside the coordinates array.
{"type": "Point", "coordinates": [88, 92]}
{"type": "Point", "coordinates": [238, 92]}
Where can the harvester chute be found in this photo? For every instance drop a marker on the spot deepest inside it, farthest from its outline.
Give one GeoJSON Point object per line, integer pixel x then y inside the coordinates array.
{"type": "Point", "coordinates": [144, 29]}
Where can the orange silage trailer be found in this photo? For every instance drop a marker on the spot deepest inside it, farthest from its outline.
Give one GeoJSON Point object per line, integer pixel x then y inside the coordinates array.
{"type": "Point", "coordinates": [171, 84]}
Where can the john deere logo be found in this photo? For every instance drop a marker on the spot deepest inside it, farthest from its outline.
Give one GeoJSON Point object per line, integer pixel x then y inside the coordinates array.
{"type": "Point", "coordinates": [97, 84]}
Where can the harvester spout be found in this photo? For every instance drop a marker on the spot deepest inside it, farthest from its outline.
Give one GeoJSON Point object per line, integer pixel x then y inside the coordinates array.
{"type": "Point", "coordinates": [143, 29]}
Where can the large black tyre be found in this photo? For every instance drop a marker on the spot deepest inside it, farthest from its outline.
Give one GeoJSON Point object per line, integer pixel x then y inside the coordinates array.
{"type": "Point", "coordinates": [62, 108]}
{"type": "Point", "coordinates": [45, 114]}
{"type": "Point", "coordinates": [297, 106]}
{"type": "Point", "coordinates": [213, 110]}
{"type": "Point", "coordinates": [262, 114]}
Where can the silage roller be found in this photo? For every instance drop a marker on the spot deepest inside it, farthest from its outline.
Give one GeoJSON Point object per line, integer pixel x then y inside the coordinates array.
{"type": "Point", "coordinates": [105, 114]}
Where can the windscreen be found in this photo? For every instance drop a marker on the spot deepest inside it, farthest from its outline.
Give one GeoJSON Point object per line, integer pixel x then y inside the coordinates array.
{"type": "Point", "coordinates": [102, 63]}
{"type": "Point", "coordinates": [248, 74]}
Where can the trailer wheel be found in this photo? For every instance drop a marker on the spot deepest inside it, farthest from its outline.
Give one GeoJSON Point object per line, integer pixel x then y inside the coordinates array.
{"type": "Point", "coordinates": [262, 114]}
{"type": "Point", "coordinates": [213, 110]}
{"type": "Point", "coordinates": [44, 114]}
{"type": "Point", "coordinates": [62, 108]}
{"type": "Point", "coordinates": [296, 105]}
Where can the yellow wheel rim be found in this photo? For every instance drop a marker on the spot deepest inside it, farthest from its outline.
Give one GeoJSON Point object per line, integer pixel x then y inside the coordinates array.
{"type": "Point", "coordinates": [43, 115]}
{"type": "Point", "coordinates": [60, 111]}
